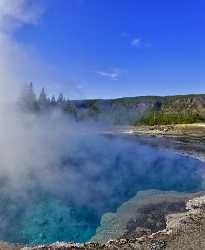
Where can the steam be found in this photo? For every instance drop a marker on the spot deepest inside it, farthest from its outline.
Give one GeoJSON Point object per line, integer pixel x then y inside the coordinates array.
{"type": "Point", "coordinates": [18, 12]}
{"type": "Point", "coordinates": [31, 146]}
{"type": "Point", "coordinates": [15, 60]}
{"type": "Point", "coordinates": [15, 65]}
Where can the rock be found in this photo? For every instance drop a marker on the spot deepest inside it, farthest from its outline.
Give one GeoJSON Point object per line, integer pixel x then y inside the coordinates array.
{"type": "Point", "coordinates": [9, 246]}
{"type": "Point", "coordinates": [187, 230]}
{"type": "Point", "coordinates": [147, 210]}
{"type": "Point", "coordinates": [197, 203]}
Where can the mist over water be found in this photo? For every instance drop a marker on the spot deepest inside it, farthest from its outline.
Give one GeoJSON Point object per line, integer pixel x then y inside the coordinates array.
{"type": "Point", "coordinates": [92, 175]}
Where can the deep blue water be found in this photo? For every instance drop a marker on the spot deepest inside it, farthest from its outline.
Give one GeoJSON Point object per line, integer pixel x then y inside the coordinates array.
{"type": "Point", "coordinates": [96, 176]}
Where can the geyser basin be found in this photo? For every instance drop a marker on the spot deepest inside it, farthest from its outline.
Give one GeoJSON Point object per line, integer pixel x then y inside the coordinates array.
{"type": "Point", "coordinates": [98, 174]}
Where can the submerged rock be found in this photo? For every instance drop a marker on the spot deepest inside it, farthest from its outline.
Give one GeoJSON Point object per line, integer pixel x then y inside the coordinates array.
{"type": "Point", "coordinates": [9, 246]}
{"type": "Point", "coordinates": [146, 212]}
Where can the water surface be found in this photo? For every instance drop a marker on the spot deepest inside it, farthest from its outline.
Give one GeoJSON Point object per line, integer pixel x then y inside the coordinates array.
{"type": "Point", "coordinates": [96, 176]}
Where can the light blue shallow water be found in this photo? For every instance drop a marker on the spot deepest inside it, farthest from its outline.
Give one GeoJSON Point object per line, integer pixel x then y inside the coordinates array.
{"type": "Point", "coordinates": [96, 176]}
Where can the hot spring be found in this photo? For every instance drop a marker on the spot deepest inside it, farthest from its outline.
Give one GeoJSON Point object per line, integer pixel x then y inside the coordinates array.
{"type": "Point", "coordinates": [95, 175]}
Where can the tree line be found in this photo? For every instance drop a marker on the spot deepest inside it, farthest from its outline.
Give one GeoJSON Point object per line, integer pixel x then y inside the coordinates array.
{"type": "Point", "coordinates": [29, 101]}
{"type": "Point", "coordinates": [159, 118]}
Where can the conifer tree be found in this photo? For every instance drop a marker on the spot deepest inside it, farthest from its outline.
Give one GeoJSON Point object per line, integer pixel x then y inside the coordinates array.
{"type": "Point", "coordinates": [28, 98]}
{"type": "Point", "coordinates": [43, 100]}
{"type": "Point", "coordinates": [60, 99]}
{"type": "Point", "coordinates": [53, 101]}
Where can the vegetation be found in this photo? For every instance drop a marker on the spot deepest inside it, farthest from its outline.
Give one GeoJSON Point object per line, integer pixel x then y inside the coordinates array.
{"type": "Point", "coordinates": [29, 101]}
{"type": "Point", "coordinates": [143, 110]}
{"type": "Point", "coordinates": [158, 118]}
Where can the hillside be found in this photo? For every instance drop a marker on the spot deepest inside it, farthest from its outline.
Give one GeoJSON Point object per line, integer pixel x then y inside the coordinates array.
{"type": "Point", "coordinates": [148, 110]}
{"type": "Point", "coordinates": [142, 110]}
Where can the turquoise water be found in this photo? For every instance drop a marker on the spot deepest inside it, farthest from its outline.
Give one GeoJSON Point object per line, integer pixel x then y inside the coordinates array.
{"type": "Point", "coordinates": [96, 176]}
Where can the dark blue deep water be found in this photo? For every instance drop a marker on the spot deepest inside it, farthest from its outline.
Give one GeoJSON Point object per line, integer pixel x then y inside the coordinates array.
{"type": "Point", "coordinates": [96, 176]}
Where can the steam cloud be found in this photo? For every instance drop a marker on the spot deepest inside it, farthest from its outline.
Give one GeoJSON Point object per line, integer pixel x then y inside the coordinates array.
{"type": "Point", "coordinates": [18, 132]}
{"type": "Point", "coordinates": [15, 63]}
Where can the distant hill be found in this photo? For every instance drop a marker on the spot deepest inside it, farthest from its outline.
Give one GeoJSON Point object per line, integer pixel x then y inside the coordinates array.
{"type": "Point", "coordinates": [149, 110]}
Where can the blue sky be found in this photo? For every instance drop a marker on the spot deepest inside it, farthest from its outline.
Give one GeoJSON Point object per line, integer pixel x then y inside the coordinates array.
{"type": "Point", "coordinates": [114, 48]}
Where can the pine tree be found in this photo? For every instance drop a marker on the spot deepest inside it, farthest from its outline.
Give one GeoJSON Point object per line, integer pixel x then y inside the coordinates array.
{"type": "Point", "coordinates": [60, 99]}
{"type": "Point", "coordinates": [53, 101]}
{"type": "Point", "coordinates": [28, 100]}
{"type": "Point", "coordinates": [43, 100]}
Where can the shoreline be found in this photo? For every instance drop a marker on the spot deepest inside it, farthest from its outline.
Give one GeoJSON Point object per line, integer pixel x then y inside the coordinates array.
{"type": "Point", "coordinates": [185, 139]}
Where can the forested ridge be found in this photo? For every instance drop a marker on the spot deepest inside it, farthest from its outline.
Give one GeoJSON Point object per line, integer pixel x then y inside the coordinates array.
{"type": "Point", "coordinates": [142, 110]}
